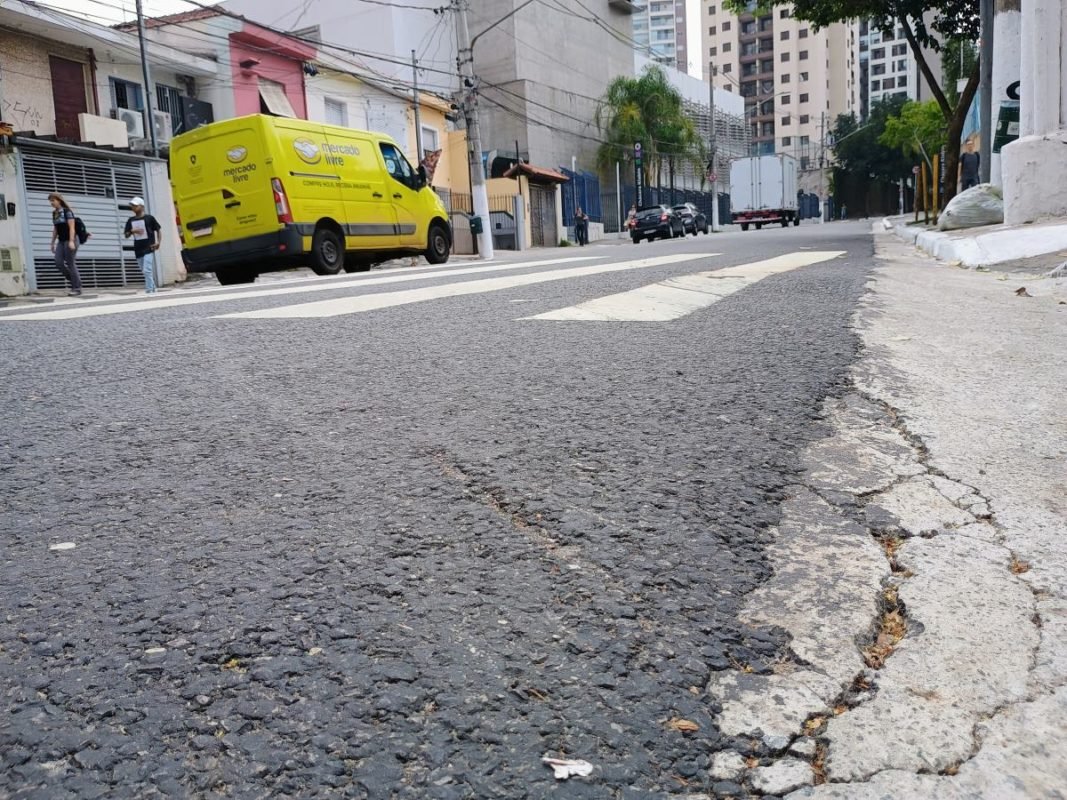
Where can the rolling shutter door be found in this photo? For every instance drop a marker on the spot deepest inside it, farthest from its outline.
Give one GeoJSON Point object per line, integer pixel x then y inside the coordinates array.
{"type": "Point", "coordinates": [94, 188]}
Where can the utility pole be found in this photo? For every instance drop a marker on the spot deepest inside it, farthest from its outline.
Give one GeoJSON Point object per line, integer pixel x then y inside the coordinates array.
{"type": "Point", "coordinates": [985, 97]}
{"type": "Point", "coordinates": [824, 202]}
{"type": "Point", "coordinates": [148, 87]}
{"type": "Point", "coordinates": [714, 151]}
{"type": "Point", "coordinates": [474, 137]}
{"type": "Point", "coordinates": [418, 123]}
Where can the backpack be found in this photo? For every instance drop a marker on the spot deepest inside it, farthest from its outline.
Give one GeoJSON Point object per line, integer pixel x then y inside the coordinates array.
{"type": "Point", "coordinates": [81, 231]}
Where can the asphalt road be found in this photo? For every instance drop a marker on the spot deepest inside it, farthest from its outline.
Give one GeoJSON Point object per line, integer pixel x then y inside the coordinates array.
{"type": "Point", "coordinates": [402, 551]}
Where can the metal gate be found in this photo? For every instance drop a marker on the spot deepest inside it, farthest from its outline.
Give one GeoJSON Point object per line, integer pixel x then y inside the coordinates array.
{"type": "Point", "coordinates": [543, 216]}
{"type": "Point", "coordinates": [98, 190]}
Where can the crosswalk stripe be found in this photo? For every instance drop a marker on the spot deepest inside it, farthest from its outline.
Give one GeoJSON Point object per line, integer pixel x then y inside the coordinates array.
{"type": "Point", "coordinates": [676, 297]}
{"type": "Point", "coordinates": [370, 302]}
{"type": "Point", "coordinates": [74, 310]}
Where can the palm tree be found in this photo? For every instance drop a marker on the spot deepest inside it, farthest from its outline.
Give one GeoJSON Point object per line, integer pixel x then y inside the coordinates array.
{"type": "Point", "coordinates": [650, 111]}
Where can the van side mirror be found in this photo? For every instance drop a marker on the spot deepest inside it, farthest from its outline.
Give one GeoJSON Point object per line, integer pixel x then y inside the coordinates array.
{"type": "Point", "coordinates": [420, 177]}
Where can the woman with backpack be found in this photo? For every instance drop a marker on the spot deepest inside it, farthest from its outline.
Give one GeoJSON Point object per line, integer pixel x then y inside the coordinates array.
{"type": "Point", "coordinates": [65, 242]}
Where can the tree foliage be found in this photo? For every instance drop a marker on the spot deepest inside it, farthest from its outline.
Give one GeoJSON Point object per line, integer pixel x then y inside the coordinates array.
{"type": "Point", "coordinates": [858, 149]}
{"type": "Point", "coordinates": [648, 110]}
{"type": "Point", "coordinates": [919, 130]}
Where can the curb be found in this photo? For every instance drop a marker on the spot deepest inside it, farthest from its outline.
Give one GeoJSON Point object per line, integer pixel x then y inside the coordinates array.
{"type": "Point", "coordinates": [984, 246]}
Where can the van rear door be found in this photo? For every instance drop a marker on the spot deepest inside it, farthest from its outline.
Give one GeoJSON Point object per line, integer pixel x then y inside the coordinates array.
{"type": "Point", "coordinates": [221, 178]}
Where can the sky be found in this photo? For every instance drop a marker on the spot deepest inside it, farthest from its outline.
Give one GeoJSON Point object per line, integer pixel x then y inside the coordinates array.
{"type": "Point", "coordinates": [110, 12]}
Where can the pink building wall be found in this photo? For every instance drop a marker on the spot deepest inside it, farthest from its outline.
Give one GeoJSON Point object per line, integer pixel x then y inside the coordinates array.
{"type": "Point", "coordinates": [281, 60]}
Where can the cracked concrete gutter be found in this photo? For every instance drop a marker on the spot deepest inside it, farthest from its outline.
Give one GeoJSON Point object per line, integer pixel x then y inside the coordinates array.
{"type": "Point", "coordinates": [944, 490]}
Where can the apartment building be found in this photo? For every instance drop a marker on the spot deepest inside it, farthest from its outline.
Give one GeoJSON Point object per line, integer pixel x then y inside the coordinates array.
{"type": "Point", "coordinates": [888, 68]}
{"type": "Point", "coordinates": [660, 30]}
{"type": "Point", "coordinates": [795, 80]}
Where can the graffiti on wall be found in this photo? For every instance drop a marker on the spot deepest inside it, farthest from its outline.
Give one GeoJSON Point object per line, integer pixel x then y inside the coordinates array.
{"type": "Point", "coordinates": [24, 117]}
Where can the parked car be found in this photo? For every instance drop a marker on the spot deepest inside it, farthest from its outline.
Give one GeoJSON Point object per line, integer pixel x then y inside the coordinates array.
{"type": "Point", "coordinates": [656, 222]}
{"type": "Point", "coordinates": [693, 219]}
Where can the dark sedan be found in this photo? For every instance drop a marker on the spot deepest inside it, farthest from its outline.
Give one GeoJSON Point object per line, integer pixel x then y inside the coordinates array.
{"type": "Point", "coordinates": [656, 222]}
{"type": "Point", "coordinates": [693, 219]}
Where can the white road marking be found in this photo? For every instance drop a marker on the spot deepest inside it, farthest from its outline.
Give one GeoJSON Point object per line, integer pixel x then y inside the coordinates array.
{"type": "Point", "coordinates": [371, 302]}
{"type": "Point", "coordinates": [677, 297]}
{"type": "Point", "coordinates": [74, 310]}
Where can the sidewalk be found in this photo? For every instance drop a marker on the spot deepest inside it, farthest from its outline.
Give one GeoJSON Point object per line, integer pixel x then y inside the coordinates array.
{"type": "Point", "coordinates": [1045, 242]}
{"type": "Point", "coordinates": [920, 566]}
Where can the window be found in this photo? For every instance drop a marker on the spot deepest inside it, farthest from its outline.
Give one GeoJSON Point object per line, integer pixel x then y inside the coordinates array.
{"type": "Point", "coordinates": [728, 68]}
{"type": "Point", "coordinates": [766, 23]}
{"type": "Point", "coordinates": [804, 118]}
{"type": "Point", "coordinates": [748, 27]}
{"type": "Point", "coordinates": [749, 49]}
{"type": "Point", "coordinates": [786, 77]}
{"type": "Point", "coordinates": [127, 95]}
{"type": "Point", "coordinates": [900, 49]}
{"type": "Point", "coordinates": [430, 141]}
{"type": "Point", "coordinates": [803, 33]}
{"type": "Point", "coordinates": [878, 69]}
{"type": "Point", "coordinates": [748, 89]}
{"type": "Point", "coordinates": [726, 26]}
{"type": "Point", "coordinates": [878, 52]}
{"type": "Point", "coordinates": [803, 55]}
{"type": "Point", "coordinates": [784, 36]}
{"type": "Point", "coordinates": [889, 83]}
{"type": "Point", "coordinates": [902, 80]}
{"type": "Point", "coordinates": [785, 99]}
{"type": "Point", "coordinates": [785, 57]}
{"type": "Point", "coordinates": [803, 76]}
{"type": "Point", "coordinates": [396, 165]}
{"type": "Point", "coordinates": [805, 162]}
{"type": "Point", "coordinates": [711, 31]}
{"type": "Point", "coordinates": [767, 129]}
{"type": "Point", "coordinates": [805, 140]}
{"type": "Point", "coordinates": [804, 97]}
{"type": "Point", "coordinates": [336, 113]}
{"type": "Point", "coordinates": [876, 86]}
{"type": "Point", "coordinates": [767, 65]}
{"type": "Point", "coordinates": [784, 14]}
{"type": "Point", "coordinates": [902, 65]}
{"type": "Point", "coordinates": [786, 141]}
{"type": "Point", "coordinates": [786, 120]}
{"type": "Point", "coordinates": [749, 70]}
{"type": "Point", "coordinates": [713, 51]}
{"type": "Point", "coordinates": [726, 47]}
{"type": "Point", "coordinates": [711, 11]}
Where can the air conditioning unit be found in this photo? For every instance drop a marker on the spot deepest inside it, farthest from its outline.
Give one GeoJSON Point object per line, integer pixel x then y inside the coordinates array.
{"type": "Point", "coordinates": [164, 129]}
{"type": "Point", "coordinates": [9, 260]}
{"type": "Point", "coordinates": [134, 121]}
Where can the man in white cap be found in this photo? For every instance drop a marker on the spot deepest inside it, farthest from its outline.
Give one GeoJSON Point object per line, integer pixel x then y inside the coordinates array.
{"type": "Point", "coordinates": [145, 230]}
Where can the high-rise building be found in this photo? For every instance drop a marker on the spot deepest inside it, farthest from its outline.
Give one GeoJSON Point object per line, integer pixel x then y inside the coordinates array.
{"type": "Point", "coordinates": [888, 68]}
{"type": "Point", "coordinates": [660, 32]}
{"type": "Point", "coordinates": [795, 80]}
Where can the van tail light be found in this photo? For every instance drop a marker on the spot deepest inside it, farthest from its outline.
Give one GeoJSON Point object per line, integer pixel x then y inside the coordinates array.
{"type": "Point", "coordinates": [178, 222]}
{"type": "Point", "coordinates": [281, 202]}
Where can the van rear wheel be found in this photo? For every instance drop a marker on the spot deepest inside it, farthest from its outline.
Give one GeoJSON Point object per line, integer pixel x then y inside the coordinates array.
{"type": "Point", "coordinates": [327, 252]}
{"type": "Point", "coordinates": [438, 245]}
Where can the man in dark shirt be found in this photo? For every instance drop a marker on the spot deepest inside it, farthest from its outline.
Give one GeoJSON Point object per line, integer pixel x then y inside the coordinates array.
{"type": "Point", "coordinates": [145, 230]}
{"type": "Point", "coordinates": [970, 163]}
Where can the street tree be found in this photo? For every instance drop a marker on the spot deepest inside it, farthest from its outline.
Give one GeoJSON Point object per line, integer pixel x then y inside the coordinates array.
{"type": "Point", "coordinates": [647, 109]}
{"type": "Point", "coordinates": [858, 149]}
{"type": "Point", "coordinates": [927, 24]}
{"type": "Point", "coordinates": [917, 130]}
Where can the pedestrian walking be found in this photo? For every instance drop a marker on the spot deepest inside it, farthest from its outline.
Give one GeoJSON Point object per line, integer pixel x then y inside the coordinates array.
{"type": "Point", "coordinates": [581, 226]}
{"type": "Point", "coordinates": [146, 233]}
{"type": "Point", "coordinates": [970, 166]}
{"type": "Point", "coordinates": [65, 242]}
{"type": "Point", "coordinates": [844, 211]}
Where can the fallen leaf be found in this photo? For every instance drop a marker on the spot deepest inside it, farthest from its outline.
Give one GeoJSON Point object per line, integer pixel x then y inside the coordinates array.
{"type": "Point", "coordinates": [684, 725]}
{"type": "Point", "coordinates": [839, 710]}
{"type": "Point", "coordinates": [751, 762]}
{"type": "Point", "coordinates": [1021, 292]}
{"type": "Point", "coordinates": [1019, 567]}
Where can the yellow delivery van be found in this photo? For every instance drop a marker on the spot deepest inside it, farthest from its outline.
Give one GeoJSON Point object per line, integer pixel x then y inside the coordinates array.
{"type": "Point", "coordinates": [259, 193]}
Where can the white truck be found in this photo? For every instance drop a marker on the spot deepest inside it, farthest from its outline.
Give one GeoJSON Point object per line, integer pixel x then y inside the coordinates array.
{"type": "Point", "coordinates": [763, 191]}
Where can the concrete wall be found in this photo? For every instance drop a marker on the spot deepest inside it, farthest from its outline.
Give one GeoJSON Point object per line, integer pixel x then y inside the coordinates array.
{"type": "Point", "coordinates": [11, 283]}
{"type": "Point", "coordinates": [559, 65]}
{"type": "Point", "coordinates": [26, 82]}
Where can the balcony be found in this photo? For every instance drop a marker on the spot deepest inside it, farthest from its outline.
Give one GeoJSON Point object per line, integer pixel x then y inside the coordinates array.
{"type": "Point", "coordinates": [626, 6]}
